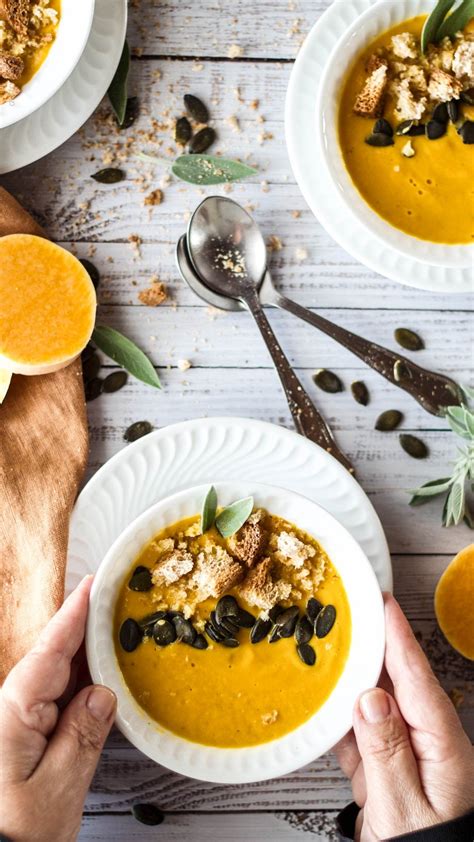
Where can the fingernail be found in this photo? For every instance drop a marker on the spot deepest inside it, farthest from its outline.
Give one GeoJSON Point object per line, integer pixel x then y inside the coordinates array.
{"type": "Point", "coordinates": [374, 706]}
{"type": "Point", "coordinates": [101, 703]}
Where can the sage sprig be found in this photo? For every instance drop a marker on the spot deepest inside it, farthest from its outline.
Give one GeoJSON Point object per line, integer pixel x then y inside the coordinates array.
{"type": "Point", "coordinates": [457, 20]}
{"type": "Point", "coordinates": [209, 509]}
{"type": "Point", "coordinates": [118, 89]}
{"type": "Point", "coordinates": [439, 24]}
{"type": "Point", "coordinates": [210, 169]}
{"type": "Point", "coordinates": [230, 519]}
{"type": "Point", "coordinates": [456, 507]}
{"type": "Point", "coordinates": [124, 352]}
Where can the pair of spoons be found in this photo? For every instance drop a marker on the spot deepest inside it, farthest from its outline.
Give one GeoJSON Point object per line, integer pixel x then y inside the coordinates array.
{"type": "Point", "coordinates": [223, 259]}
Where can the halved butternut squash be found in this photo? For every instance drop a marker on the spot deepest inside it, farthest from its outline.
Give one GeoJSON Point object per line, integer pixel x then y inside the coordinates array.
{"type": "Point", "coordinates": [48, 305]}
{"type": "Point", "coordinates": [454, 602]}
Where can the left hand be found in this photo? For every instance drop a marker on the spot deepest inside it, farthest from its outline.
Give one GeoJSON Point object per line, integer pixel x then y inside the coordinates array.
{"type": "Point", "coordinates": [49, 757]}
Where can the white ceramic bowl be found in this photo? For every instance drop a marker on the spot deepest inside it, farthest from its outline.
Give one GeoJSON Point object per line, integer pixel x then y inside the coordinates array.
{"type": "Point", "coordinates": [329, 723]}
{"type": "Point", "coordinates": [71, 38]}
{"type": "Point", "coordinates": [372, 23]}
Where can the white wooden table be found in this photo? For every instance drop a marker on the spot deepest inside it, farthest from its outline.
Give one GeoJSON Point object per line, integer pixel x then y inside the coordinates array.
{"type": "Point", "coordinates": [183, 46]}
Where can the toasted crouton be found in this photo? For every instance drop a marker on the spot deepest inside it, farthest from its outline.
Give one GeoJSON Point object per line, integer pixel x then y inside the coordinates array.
{"type": "Point", "coordinates": [171, 567]}
{"type": "Point", "coordinates": [290, 550]}
{"type": "Point", "coordinates": [463, 63]}
{"type": "Point", "coordinates": [11, 67]}
{"type": "Point", "coordinates": [16, 12]}
{"type": "Point", "coordinates": [260, 590]}
{"type": "Point", "coordinates": [216, 572]}
{"type": "Point", "coordinates": [444, 86]}
{"type": "Point", "coordinates": [369, 103]}
{"type": "Point", "coordinates": [250, 541]}
{"type": "Point", "coordinates": [8, 91]}
{"type": "Point", "coordinates": [404, 45]}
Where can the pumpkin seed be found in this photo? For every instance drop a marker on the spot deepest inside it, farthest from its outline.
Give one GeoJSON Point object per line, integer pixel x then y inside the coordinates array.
{"type": "Point", "coordinates": [132, 111]}
{"type": "Point", "coordinates": [401, 371]}
{"type": "Point", "coordinates": [416, 448]}
{"type": "Point", "coordinates": [440, 114]}
{"type": "Point", "coordinates": [196, 108]}
{"type": "Point", "coordinates": [379, 140]}
{"type": "Point", "coordinates": [228, 625]}
{"type": "Point", "coordinates": [115, 381]}
{"type": "Point", "coordinates": [93, 388]}
{"type": "Point", "coordinates": [141, 580]}
{"type": "Point", "coordinates": [182, 131]}
{"type": "Point", "coordinates": [410, 128]}
{"type": "Point", "coordinates": [466, 132]}
{"type": "Point", "coordinates": [226, 607]}
{"type": "Point", "coordinates": [199, 642]}
{"type": "Point", "coordinates": [230, 642]}
{"type": "Point", "coordinates": [130, 635]}
{"type": "Point", "coordinates": [109, 175]}
{"type": "Point", "coordinates": [382, 126]}
{"type": "Point", "coordinates": [275, 611]}
{"type": "Point", "coordinates": [164, 633]}
{"type": "Point", "coordinates": [92, 271]}
{"type": "Point", "coordinates": [388, 420]}
{"type": "Point", "coordinates": [328, 381]}
{"type": "Point", "coordinates": [275, 635]}
{"type": "Point", "coordinates": [185, 630]}
{"type": "Point", "coordinates": [307, 654]}
{"type": "Point", "coordinates": [453, 110]}
{"type": "Point", "coordinates": [408, 339]}
{"type": "Point", "coordinates": [137, 430]}
{"type": "Point", "coordinates": [313, 608]}
{"type": "Point", "coordinates": [211, 632]}
{"type": "Point", "coordinates": [244, 619]}
{"type": "Point", "coordinates": [218, 628]}
{"type": "Point", "coordinates": [325, 621]}
{"type": "Point", "coordinates": [148, 814]}
{"type": "Point", "coordinates": [304, 630]}
{"type": "Point", "coordinates": [468, 96]}
{"type": "Point", "coordinates": [435, 130]}
{"type": "Point", "coordinates": [202, 140]}
{"type": "Point", "coordinates": [91, 367]}
{"type": "Point", "coordinates": [360, 392]}
{"type": "Point", "coordinates": [286, 621]}
{"type": "Point", "coordinates": [151, 619]}
{"type": "Point", "coordinates": [260, 630]}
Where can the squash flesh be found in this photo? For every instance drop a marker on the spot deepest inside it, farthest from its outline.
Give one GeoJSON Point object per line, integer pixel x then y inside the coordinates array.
{"type": "Point", "coordinates": [454, 602]}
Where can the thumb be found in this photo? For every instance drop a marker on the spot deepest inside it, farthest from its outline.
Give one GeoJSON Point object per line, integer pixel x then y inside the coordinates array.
{"type": "Point", "coordinates": [74, 749]}
{"type": "Point", "coordinates": [390, 767]}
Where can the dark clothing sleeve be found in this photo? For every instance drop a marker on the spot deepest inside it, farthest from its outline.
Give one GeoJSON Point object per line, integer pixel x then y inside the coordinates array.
{"type": "Point", "coordinates": [458, 830]}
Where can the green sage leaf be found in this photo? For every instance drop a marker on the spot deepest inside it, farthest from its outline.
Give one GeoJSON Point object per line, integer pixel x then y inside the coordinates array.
{"type": "Point", "coordinates": [230, 519]}
{"type": "Point", "coordinates": [209, 509]}
{"type": "Point", "coordinates": [468, 392]}
{"type": "Point", "coordinates": [124, 352]}
{"type": "Point", "coordinates": [433, 22]}
{"type": "Point", "coordinates": [456, 21]}
{"type": "Point", "coordinates": [455, 504]}
{"type": "Point", "coordinates": [118, 87]}
{"type": "Point", "coordinates": [430, 489]}
{"type": "Point", "coordinates": [461, 421]}
{"type": "Point", "coordinates": [209, 169]}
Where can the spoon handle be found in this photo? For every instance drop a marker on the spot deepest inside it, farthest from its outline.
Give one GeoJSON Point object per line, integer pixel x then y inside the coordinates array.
{"type": "Point", "coordinates": [308, 421]}
{"type": "Point", "coordinates": [433, 391]}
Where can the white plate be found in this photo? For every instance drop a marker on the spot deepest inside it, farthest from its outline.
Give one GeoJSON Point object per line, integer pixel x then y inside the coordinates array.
{"type": "Point", "coordinates": [209, 450]}
{"type": "Point", "coordinates": [63, 114]}
{"type": "Point", "coordinates": [322, 730]}
{"type": "Point", "coordinates": [311, 173]}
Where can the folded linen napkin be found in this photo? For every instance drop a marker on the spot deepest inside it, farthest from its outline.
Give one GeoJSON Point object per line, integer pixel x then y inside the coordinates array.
{"type": "Point", "coordinates": [43, 453]}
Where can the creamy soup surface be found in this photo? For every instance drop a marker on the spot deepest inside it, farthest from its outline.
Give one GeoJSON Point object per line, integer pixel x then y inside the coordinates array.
{"type": "Point", "coordinates": [231, 697]}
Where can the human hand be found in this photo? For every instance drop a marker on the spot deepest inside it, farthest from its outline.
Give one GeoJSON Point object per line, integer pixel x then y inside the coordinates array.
{"type": "Point", "coordinates": [48, 757]}
{"type": "Point", "coordinates": [410, 762]}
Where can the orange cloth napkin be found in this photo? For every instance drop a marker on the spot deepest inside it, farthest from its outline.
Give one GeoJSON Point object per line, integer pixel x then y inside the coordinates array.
{"type": "Point", "coordinates": [43, 454]}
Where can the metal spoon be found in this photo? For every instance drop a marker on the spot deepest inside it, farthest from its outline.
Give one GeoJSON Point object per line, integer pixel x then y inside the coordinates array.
{"type": "Point", "coordinates": [227, 267]}
{"type": "Point", "coordinates": [220, 223]}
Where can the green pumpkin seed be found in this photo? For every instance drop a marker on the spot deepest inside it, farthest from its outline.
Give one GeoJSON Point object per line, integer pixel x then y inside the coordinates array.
{"type": "Point", "coordinates": [414, 446]}
{"type": "Point", "coordinates": [229, 626]}
{"type": "Point", "coordinates": [286, 621]}
{"type": "Point", "coordinates": [148, 814]}
{"type": "Point", "coordinates": [92, 271]}
{"type": "Point", "coordinates": [115, 381]}
{"type": "Point", "coordinates": [275, 635]}
{"type": "Point", "coordinates": [90, 367]}
{"type": "Point", "coordinates": [200, 642]}
{"type": "Point", "coordinates": [202, 140]}
{"type": "Point", "coordinates": [137, 430]}
{"type": "Point", "coordinates": [468, 96]}
{"type": "Point", "coordinates": [388, 421]}
{"type": "Point", "coordinates": [182, 131]}
{"type": "Point", "coordinates": [130, 635]}
{"type": "Point", "coordinates": [109, 175]}
{"type": "Point", "coordinates": [440, 114]}
{"type": "Point", "coordinates": [227, 607]}
{"type": "Point", "coordinates": [304, 630]}
{"type": "Point", "coordinates": [275, 611]}
{"type": "Point", "coordinates": [410, 128]}
{"type": "Point", "coordinates": [151, 619]}
{"type": "Point", "coordinates": [196, 108]}
{"type": "Point", "coordinates": [360, 392]}
{"type": "Point", "coordinates": [408, 339]}
{"type": "Point", "coordinates": [466, 132]}
{"type": "Point", "coordinates": [260, 630]}
{"type": "Point", "coordinates": [307, 654]}
{"type": "Point", "coordinates": [328, 381]}
{"type": "Point", "coordinates": [435, 130]}
{"type": "Point", "coordinates": [93, 389]}
{"type": "Point", "coordinates": [382, 126]}
{"type": "Point", "coordinates": [244, 619]}
{"type": "Point", "coordinates": [230, 642]}
{"type": "Point", "coordinates": [185, 630]}
{"type": "Point", "coordinates": [325, 621]}
{"type": "Point", "coordinates": [141, 580]}
{"type": "Point", "coordinates": [379, 140]}
{"type": "Point", "coordinates": [164, 633]}
{"type": "Point", "coordinates": [453, 110]}
{"type": "Point", "coordinates": [313, 608]}
{"type": "Point", "coordinates": [212, 632]}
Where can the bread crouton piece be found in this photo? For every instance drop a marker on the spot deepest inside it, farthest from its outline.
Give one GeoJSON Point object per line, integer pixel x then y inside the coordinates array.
{"type": "Point", "coordinates": [8, 91]}
{"type": "Point", "coordinates": [171, 567]}
{"type": "Point", "coordinates": [11, 67]}
{"type": "Point", "coordinates": [444, 86]}
{"type": "Point", "coordinates": [408, 106]}
{"type": "Point", "coordinates": [463, 63]}
{"type": "Point", "coordinates": [216, 572]}
{"type": "Point", "coordinates": [250, 541]}
{"type": "Point", "coordinates": [404, 45]}
{"type": "Point", "coordinates": [369, 103]}
{"type": "Point", "coordinates": [259, 589]}
{"type": "Point", "coordinates": [16, 13]}
{"type": "Point", "coordinates": [290, 550]}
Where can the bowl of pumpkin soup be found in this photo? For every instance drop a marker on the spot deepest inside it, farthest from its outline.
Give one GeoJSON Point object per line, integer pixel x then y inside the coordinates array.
{"type": "Point", "coordinates": [237, 625]}
{"type": "Point", "coordinates": [395, 121]}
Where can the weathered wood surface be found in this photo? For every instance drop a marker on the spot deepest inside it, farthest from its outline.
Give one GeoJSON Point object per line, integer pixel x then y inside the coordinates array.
{"type": "Point", "coordinates": [184, 47]}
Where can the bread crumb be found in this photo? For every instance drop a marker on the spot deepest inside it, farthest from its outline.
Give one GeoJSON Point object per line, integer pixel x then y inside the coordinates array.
{"type": "Point", "coordinates": [270, 717]}
{"type": "Point", "coordinates": [235, 51]}
{"type": "Point", "coordinates": [301, 254]}
{"type": "Point", "coordinates": [154, 198]}
{"type": "Point", "coordinates": [184, 365]}
{"type": "Point", "coordinates": [408, 151]}
{"type": "Point", "coordinates": [155, 295]}
{"type": "Point", "coordinates": [274, 243]}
